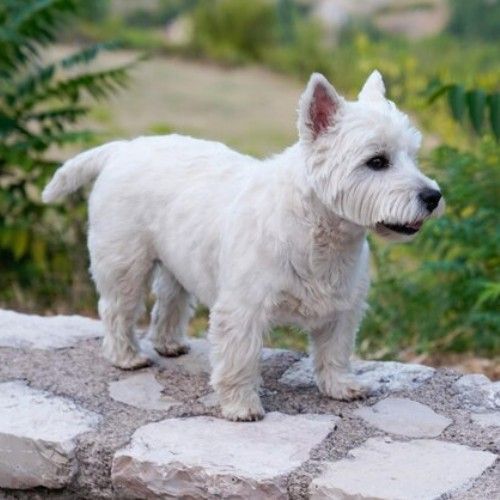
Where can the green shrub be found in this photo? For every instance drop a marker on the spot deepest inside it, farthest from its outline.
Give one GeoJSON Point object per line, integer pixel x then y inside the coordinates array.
{"type": "Point", "coordinates": [166, 12]}
{"type": "Point", "coordinates": [42, 249]}
{"type": "Point", "coordinates": [94, 10]}
{"type": "Point", "coordinates": [233, 30]}
{"type": "Point", "coordinates": [475, 19]}
{"type": "Point", "coordinates": [304, 54]}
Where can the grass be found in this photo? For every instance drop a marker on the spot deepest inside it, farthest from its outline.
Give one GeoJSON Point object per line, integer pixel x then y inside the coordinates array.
{"type": "Point", "coordinates": [251, 109]}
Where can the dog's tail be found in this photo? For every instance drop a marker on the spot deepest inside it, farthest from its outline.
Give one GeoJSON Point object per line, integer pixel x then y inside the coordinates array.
{"type": "Point", "coordinates": [78, 171]}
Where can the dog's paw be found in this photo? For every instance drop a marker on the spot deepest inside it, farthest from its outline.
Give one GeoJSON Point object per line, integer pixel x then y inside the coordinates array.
{"type": "Point", "coordinates": [132, 362]}
{"type": "Point", "coordinates": [124, 356]}
{"type": "Point", "coordinates": [343, 387]}
{"type": "Point", "coordinates": [172, 350]}
{"type": "Point", "coordinates": [249, 411]}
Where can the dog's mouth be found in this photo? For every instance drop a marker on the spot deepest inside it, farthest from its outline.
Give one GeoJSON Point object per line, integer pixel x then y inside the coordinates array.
{"type": "Point", "coordinates": [409, 228]}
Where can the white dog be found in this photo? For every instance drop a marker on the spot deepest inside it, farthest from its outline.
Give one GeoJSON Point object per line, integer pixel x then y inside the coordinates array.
{"type": "Point", "coordinates": [261, 243]}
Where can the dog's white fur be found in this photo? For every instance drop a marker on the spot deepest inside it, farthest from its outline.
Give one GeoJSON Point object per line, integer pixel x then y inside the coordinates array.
{"type": "Point", "coordinates": [261, 243]}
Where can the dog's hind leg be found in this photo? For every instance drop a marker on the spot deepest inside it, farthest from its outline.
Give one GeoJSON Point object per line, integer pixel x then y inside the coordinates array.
{"type": "Point", "coordinates": [121, 284]}
{"type": "Point", "coordinates": [170, 315]}
{"type": "Point", "coordinates": [236, 343]}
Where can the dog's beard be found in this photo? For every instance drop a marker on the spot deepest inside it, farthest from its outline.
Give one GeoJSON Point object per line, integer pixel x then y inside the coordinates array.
{"type": "Point", "coordinates": [399, 219]}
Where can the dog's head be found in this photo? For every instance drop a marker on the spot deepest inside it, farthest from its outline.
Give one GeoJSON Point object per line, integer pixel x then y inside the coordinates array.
{"type": "Point", "coordinates": [362, 159]}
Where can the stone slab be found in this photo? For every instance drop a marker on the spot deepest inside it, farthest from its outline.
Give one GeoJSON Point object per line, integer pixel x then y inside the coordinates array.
{"type": "Point", "coordinates": [23, 331]}
{"type": "Point", "coordinates": [415, 470]}
{"type": "Point", "coordinates": [37, 432]}
{"type": "Point", "coordinates": [478, 392]}
{"type": "Point", "coordinates": [404, 417]}
{"type": "Point", "coordinates": [379, 376]}
{"type": "Point", "coordinates": [206, 457]}
{"type": "Point", "coordinates": [489, 419]}
{"type": "Point", "coordinates": [141, 390]}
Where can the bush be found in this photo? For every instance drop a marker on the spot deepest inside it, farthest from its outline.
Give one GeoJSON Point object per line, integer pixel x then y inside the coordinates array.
{"type": "Point", "coordinates": [166, 12]}
{"type": "Point", "coordinates": [451, 299]}
{"type": "Point", "coordinates": [478, 19]}
{"type": "Point", "coordinates": [41, 248]}
{"type": "Point", "coordinates": [233, 30]}
{"type": "Point", "coordinates": [304, 54]}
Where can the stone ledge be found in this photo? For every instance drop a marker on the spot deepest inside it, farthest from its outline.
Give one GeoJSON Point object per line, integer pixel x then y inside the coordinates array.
{"type": "Point", "coordinates": [37, 432]}
{"type": "Point", "coordinates": [158, 431]}
{"type": "Point", "coordinates": [29, 331]}
{"type": "Point", "coordinates": [206, 457]}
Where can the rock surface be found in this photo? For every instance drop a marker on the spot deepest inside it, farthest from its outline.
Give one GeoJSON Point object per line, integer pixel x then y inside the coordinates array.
{"type": "Point", "coordinates": [67, 409]}
{"type": "Point", "coordinates": [490, 419]}
{"type": "Point", "coordinates": [38, 332]}
{"type": "Point", "coordinates": [478, 392]}
{"type": "Point", "coordinates": [205, 457]}
{"type": "Point", "coordinates": [404, 417]}
{"type": "Point", "coordinates": [380, 377]}
{"type": "Point", "coordinates": [420, 469]}
{"type": "Point", "coordinates": [142, 391]}
{"type": "Point", "coordinates": [37, 432]}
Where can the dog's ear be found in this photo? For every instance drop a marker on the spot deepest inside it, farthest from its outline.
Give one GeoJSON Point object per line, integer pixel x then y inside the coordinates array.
{"type": "Point", "coordinates": [373, 88]}
{"type": "Point", "coordinates": [318, 107]}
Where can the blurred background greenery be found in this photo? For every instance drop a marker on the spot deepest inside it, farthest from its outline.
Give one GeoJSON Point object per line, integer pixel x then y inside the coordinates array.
{"type": "Point", "coordinates": [76, 73]}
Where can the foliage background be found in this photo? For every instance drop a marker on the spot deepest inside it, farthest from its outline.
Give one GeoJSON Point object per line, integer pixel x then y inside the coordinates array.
{"type": "Point", "coordinates": [440, 294]}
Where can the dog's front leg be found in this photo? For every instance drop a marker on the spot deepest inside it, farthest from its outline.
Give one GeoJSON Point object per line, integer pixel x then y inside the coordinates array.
{"type": "Point", "coordinates": [331, 348]}
{"type": "Point", "coordinates": [236, 342]}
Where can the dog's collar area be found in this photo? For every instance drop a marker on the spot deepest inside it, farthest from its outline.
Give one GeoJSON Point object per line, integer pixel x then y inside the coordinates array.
{"type": "Point", "coordinates": [411, 228]}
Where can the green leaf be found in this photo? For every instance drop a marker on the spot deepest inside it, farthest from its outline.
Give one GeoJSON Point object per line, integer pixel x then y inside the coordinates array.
{"type": "Point", "coordinates": [437, 91]}
{"type": "Point", "coordinates": [7, 124]}
{"type": "Point", "coordinates": [67, 114]}
{"type": "Point", "coordinates": [88, 54]}
{"type": "Point", "coordinates": [456, 101]}
{"type": "Point", "coordinates": [20, 243]}
{"type": "Point", "coordinates": [494, 105]}
{"type": "Point", "coordinates": [476, 101]}
{"type": "Point", "coordinates": [39, 252]}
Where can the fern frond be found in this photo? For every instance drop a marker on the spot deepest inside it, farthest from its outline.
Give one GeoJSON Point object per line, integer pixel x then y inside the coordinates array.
{"type": "Point", "coordinates": [26, 27]}
{"type": "Point", "coordinates": [98, 85]}
{"type": "Point", "coordinates": [87, 55]}
{"type": "Point", "coordinates": [68, 114]}
{"type": "Point", "coordinates": [42, 77]}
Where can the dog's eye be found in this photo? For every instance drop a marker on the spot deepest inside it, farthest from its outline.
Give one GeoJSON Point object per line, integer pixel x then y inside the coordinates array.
{"type": "Point", "coordinates": [379, 162]}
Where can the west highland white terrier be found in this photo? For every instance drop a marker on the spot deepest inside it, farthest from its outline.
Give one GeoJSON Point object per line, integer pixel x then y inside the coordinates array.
{"type": "Point", "coordinates": [260, 242]}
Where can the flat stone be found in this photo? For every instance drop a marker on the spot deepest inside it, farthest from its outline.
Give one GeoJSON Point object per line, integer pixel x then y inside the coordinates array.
{"type": "Point", "coordinates": [142, 391]}
{"type": "Point", "coordinates": [23, 331]}
{"type": "Point", "coordinates": [37, 432]}
{"type": "Point", "coordinates": [379, 376]}
{"type": "Point", "coordinates": [197, 360]}
{"type": "Point", "coordinates": [404, 417]}
{"type": "Point", "coordinates": [206, 457]}
{"type": "Point", "coordinates": [478, 392]}
{"type": "Point", "coordinates": [419, 469]}
{"type": "Point", "coordinates": [489, 419]}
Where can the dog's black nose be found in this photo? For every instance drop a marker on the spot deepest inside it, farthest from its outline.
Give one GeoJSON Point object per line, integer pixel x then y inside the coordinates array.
{"type": "Point", "coordinates": [430, 198]}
